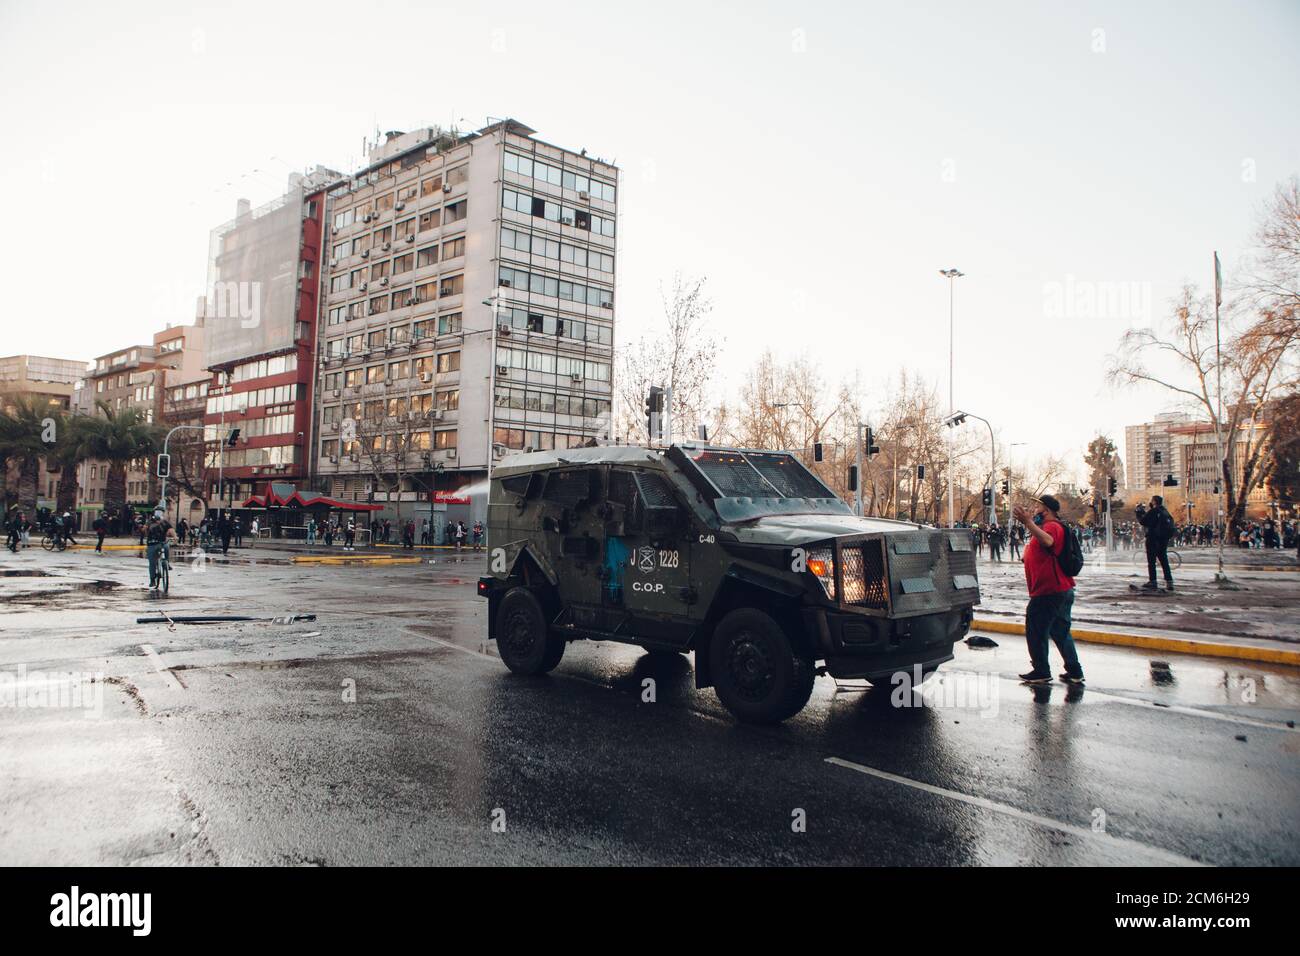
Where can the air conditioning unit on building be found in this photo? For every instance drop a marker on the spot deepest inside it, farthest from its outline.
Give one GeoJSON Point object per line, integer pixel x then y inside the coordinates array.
{"type": "Point", "coordinates": [584, 196]}
{"type": "Point", "coordinates": [410, 237]}
{"type": "Point", "coordinates": [503, 371]}
{"type": "Point", "coordinates": [334, 426]}
{"type": "Point", "coordinates": [450, 453]}
{"type": "Point", "coordinates": [334, 263]}
{"type": "Point", "coordinates": [334, 459]}
{"type": "Point", "coordinates": [415, 300]}
{"type": "Point", "coordinates": [383, 281]}
{"type": "Point", "coordinates": [387, 246]}
{"type": "Point", "coordinates": [426, 377]}
{"type": "Point", "coordinates": [354, 457]}
{"type": "Point", "coordinates": [372, 311]}
{"type": "Point", "coordinates": [362, 287]}
{"type": "Point", "coordinates": [365, 253]}
{"type": "Point", "coordinates": [446, 187]}
{"type": "Point", "coordinates": [335, 393]}
{"type": "Point", "coordinates": [400, 206]}
{"type": "Point", "coordinates": [435, 414]}
{"type": "Point", "coordinates": [575, 377]}
{"type": "Point", "coordinates": [503, 329]}
{"type": "Point", "coordinates": [505, 283]}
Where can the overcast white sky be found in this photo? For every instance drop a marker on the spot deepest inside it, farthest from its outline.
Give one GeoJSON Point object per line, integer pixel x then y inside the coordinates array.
{"type": "Point", "coordinates": [819, 162]}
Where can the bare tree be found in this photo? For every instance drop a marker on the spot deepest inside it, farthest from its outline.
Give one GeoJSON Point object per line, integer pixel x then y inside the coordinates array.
{"type": "Point", "coordinates": [681, 354]}
{"type": "Point", "coordinates": [1257, 364]}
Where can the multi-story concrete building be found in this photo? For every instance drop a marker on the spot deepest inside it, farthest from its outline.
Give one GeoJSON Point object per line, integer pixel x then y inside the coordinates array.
{"type": "Point", "coordinates": [261, 314]}
{"type": "Point", "coordinates": [52, 381]}
{"type": "Point", "coordinates": [1143, 442]}
{"type": "Point", "coordinates": [1189, 453]}
{"type": "Point", "coordinates": [137, 377]}
{"type": "Point", "coordinates": [468, 311]}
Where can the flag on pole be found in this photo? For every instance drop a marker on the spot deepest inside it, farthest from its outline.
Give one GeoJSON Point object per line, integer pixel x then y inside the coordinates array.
{"type": "Point", "coordinates": [1218, 281]}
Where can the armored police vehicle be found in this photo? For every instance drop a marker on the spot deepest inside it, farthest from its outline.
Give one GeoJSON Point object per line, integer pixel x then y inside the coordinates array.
{"type": "Point", "coordinates": [743, 556]}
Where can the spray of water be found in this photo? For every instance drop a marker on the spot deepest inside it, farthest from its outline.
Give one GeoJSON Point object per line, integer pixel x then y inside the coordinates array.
{"type": "Point", "coordinates": [474, 490]}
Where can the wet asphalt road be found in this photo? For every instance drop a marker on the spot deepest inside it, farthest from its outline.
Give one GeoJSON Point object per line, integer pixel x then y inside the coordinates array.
{"type": "Point", "coordinates": [237, 744]}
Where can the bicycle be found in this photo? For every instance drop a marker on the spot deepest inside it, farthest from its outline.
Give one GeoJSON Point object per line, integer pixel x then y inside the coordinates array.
{"type": "Point", "coordinates": [54, 542]}
{"type": "Point", "coordinates": [163, 579]}
{"type": "Point", "coordinates": [1140, 558]}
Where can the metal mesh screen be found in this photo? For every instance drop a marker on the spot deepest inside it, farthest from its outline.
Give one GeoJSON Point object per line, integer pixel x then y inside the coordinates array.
{"type": "Point", "coordinates": [864, 576]}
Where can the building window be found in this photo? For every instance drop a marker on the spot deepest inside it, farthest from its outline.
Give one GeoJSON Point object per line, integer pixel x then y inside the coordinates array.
{"type": "Point", "coordinates": [449, 362]}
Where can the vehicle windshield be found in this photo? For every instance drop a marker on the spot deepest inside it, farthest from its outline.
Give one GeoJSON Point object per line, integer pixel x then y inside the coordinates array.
{"type": "Point", "coordinates": [754, 484]}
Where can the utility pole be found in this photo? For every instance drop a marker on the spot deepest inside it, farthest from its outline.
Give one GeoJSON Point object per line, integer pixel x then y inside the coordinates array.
{"type": "Point", "coordinates": [1218, 417]}
{"type": "Point", "coordinates": [950, 275]}
{"type": "Point", "coordinates": [857, 492]}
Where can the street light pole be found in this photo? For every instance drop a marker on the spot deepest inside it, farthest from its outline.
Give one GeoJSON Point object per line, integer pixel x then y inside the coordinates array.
{"type": "Point", "coordinates": [950, 275]}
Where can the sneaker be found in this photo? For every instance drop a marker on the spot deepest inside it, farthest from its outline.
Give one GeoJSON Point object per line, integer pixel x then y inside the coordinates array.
{"type": "Point", "coordinates": [1071, 679]}
{"type": "Point", "coordinates": [1169, 586]}
{"type": "Point", "coordinates": [1032, 678]}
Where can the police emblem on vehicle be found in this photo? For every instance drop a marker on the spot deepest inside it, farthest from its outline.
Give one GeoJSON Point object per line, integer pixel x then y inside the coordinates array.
{"type": "Point", "coordinates": [646, 560]}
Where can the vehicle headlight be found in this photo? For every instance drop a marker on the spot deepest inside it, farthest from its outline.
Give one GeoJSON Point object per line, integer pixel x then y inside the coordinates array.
{"type": "Point", "coordinates": [821, 562]}
{"type": "Point", "coordinates": [855, 584]}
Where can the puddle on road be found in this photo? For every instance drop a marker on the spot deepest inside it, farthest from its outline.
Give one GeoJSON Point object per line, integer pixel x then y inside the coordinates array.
{"type": "Point", "coordinates": [24, 573]}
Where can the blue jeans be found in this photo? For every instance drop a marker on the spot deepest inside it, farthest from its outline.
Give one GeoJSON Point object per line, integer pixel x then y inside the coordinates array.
{"type": "Point", "coordinates": [1049, 616]}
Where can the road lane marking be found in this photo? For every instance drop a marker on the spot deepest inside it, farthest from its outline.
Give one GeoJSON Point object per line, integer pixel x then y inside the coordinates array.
{"type": "Point", "coordinates": [161, 668]}
{"type": "Point", "coordinates": [1164, 856]}
{"type": "Point", "coordinates": [1113, 697]}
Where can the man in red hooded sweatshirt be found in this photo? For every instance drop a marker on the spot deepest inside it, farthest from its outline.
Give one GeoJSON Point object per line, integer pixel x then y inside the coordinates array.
{"type": "Point", "coordinates": [1051, 594]}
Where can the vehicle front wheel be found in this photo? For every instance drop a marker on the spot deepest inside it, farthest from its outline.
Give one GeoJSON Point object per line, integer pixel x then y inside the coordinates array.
{"type": "Point", "coordinates": [758, 673]}
{"type": "Point", "coordinates": [524, 640]}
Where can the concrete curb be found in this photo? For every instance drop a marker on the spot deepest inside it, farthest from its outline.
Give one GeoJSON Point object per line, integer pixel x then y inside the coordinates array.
{"type": "Point", "coordinates": [1155, 642]}
{"type": "Point", "coordinates": [383, 560]}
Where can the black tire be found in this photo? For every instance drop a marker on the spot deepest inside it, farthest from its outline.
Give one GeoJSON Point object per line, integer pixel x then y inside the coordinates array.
{"type": "Point", "coordinates": [758, 672]}
{"type": "Point", "coordinates": [164, 572]}
{"type": "Point", "coordinates": [523, 638]}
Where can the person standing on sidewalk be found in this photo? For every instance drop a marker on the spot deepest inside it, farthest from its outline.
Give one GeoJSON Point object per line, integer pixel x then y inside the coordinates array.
{"type": "Point", "coordinates": [1051, 594]}
{"type": "Point", "coordinates": [1159, 525]}
{"type": "Point", "coordinates": [100, 527]}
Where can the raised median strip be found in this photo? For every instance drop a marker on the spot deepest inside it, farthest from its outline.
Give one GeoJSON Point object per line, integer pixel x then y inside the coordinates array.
{"type": "Point", "coordinates": [1264, 653]}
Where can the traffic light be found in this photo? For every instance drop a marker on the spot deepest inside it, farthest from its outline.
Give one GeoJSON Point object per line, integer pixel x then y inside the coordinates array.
{"type": "Point", "coordinates": [1170, 481]}
{"type": "Point", "coordinates": [872, 447]}
{"type": "Point", "coordinates": [853, 477]}
{"type": "Point", "coordinates": [988, 497]}
{"type": "Point", "coordinates": [164, 466]}
{"type": "Point", "coordinates": [1158, 457]}
{"type": "Point", "coordinates": [1006, 487]}
{"type": "Point", "coordinates": [654, 410]}
{"type": "Point", "coordinates": [1217, 488]}
{"type": "Point", "coordinates": [920, 472]}
{"type": "Point", "coordinates": [817, 451]}
{"type": "Point", "coordinates": [1114, 487]}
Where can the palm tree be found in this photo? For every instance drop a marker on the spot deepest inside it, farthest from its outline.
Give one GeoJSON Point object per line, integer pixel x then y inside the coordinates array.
{"type": "Point", "coordinates": [28, 427]}
{"type": "Point", "coordinates": [119, 438]}
{"type": "Point", "coordinates": [70, 451]}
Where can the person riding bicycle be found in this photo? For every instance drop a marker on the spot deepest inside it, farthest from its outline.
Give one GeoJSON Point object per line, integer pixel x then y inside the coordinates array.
{"type": "Point", "coordinates": [157, 534]}
{"type": "Point", "coordinates": [68, 527]}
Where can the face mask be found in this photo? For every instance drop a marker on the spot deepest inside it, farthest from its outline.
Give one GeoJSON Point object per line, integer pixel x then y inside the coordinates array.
{"type": "Point", "coordinates": [1038, 520]}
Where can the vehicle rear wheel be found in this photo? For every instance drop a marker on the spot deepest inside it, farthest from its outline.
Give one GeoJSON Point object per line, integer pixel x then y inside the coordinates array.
{"type": "Point", "coordinates": [758, 673]}
{"type": "Point", "coordinates": [524, 640]}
